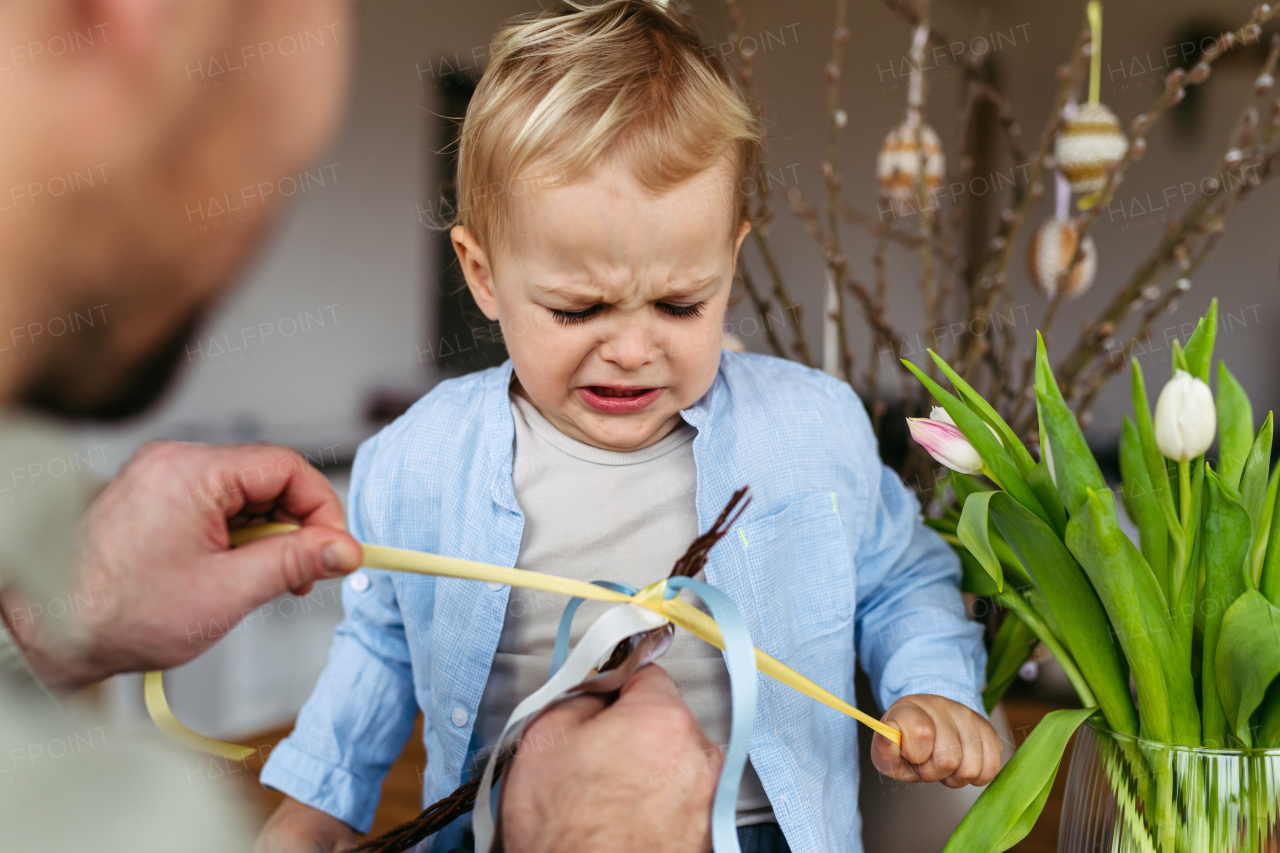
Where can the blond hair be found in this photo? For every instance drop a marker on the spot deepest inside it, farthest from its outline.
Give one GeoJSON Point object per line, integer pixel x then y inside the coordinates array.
{"type": "Point", "coordinates": [573, 85]}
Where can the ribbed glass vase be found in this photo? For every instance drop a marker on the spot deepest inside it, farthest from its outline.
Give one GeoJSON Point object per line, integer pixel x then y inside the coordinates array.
{"type": "Point", "coordinates": [1129, 795]}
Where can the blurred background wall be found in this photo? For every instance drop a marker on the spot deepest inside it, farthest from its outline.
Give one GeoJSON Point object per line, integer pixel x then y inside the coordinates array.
{"type": "Point", "coordinates": [337, 324]}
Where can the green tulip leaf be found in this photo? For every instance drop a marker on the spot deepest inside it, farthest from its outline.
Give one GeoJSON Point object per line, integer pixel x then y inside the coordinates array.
{"type": "Point", "coordinates": [1269, 719]}
{"type": "Point", "coordinates": [1157, 471]}
{"type": "Point", "coordinates": [973, 532]}
{"type": "Point", "coordinates": [988, 414]}
{"type": "Point", "coordinates": [1269, 581]}
{"type": "Point", "coordinates": [1075, 469]}
{"type": "Point", "coordinates": [1253, 482]}
{"type": "Point", "coordinates": [1136, 607]}
{"type": "Point", "coordinates": [1199, 350]}
{"type": "Point", "coordinates": [974, 578]}
{"type": "Point", "coordinates": [1226, 542]}
{"type": "Point", "coordinates": [1041, 483]}
{"type": "Point", "coordinates": [1235, 427]}
{"type": "Point", "coordinates": [1247, 659]}
{"type": "Point", "coordinates": [1005, 812]}
{"type": "Point", "coordinates": [964, 485]}
{"type": "Point", "coordinates": [974, 428]}
{"type": "Point", "coordinates": [1074, 606]}
{"type": "Point", "coordinates": [1262, 533]}
{"type": "Point", "coordinates": [1014, 643]}
{"type": "Point", "coordinates": [1143, 505]}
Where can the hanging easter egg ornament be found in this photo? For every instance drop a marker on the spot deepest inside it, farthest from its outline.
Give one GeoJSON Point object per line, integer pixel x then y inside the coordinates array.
{"type": "Point", "coordinates": [910, 163]}
{"type": "Point", "coordinates": [1052, 247]}
{"type": "Point", "coordinates": [1091, 142]}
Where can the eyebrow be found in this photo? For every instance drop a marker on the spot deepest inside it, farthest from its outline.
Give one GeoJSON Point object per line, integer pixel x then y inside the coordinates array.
{"type": "Point", "coordinates": [683, 292]}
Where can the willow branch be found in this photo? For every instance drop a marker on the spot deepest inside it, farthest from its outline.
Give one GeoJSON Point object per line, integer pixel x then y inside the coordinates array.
{"type": "Point", "coordinates": [837, 264]}
{"type": "Point", "coordinates": [1127, 298]}
{"type": "Point", "coordinates": [994, 276]}
{"type": "Point", "coordinates": [760, 214]}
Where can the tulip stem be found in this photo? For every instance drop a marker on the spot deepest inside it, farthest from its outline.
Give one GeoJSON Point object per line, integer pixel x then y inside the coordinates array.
{"type": "Point", "coordinates": [1184, 497]}
{"type": "Point", "coordinates": [991, 475]}
{"type": "Point", "coordinates": [1182, 549]}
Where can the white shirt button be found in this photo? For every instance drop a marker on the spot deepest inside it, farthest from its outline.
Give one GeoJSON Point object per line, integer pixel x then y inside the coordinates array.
{"type": "Point", "coordinates": [495, 586]}
{"type": "Point", "coordinates": [359, 581]}
{"type": "Point", "coordinates": [459, 717]}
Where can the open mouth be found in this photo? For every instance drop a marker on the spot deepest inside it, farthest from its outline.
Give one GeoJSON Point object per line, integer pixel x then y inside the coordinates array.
{"type": "Point", "coordinates": [608, 391]}
{"type": "Point", "coordinates": [618, 400]}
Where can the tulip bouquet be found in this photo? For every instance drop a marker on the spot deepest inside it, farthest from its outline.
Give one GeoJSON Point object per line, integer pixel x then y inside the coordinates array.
{"type": "Point", "coordinates": [1173, 641]}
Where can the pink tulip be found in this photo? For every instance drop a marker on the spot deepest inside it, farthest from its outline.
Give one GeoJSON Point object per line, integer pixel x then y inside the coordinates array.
{"type": "Point", "coordinates": [946, 444]}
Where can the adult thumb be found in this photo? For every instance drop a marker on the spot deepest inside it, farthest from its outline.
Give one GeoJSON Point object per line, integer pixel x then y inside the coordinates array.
{"type": "Point", "coordinates": [273, 565]}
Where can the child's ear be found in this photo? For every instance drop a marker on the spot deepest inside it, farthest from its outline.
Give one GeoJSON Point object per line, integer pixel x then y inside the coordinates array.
{"type": "Point", "coordinates": [743, 231]}
{"type": "Point", "coordinates": [476, 269]}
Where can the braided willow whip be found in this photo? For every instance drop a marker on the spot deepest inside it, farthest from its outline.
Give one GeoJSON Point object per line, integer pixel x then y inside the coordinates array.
{"type": "Point", "coordinates": [444, 812]}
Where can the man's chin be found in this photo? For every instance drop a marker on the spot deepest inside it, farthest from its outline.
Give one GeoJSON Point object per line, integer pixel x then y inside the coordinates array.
{"type": "Point", "coordinates": [132, 392]}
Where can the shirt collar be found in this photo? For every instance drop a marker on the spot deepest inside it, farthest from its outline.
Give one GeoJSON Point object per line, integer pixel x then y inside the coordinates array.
{"type": "Point", "coordinates": [500, 426]}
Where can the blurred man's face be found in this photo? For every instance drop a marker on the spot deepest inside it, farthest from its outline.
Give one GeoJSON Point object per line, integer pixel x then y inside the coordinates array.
{"type": "Point", "coordinates": [204, 124]}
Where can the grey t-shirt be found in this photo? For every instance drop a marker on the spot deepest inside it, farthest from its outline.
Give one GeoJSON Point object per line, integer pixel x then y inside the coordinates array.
{"type": "Point", "coordinates": [594, 514]}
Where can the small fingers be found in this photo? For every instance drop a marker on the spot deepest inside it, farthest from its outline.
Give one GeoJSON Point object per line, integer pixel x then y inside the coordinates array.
{"type": "Point", "coordinates": [887, 758]}
{"type": "Point", "coordinates": [993, 747]}
{"type": "Point", "coordinates": [947, 754]}
{"type": "Point", "coordinates": [972, 760]}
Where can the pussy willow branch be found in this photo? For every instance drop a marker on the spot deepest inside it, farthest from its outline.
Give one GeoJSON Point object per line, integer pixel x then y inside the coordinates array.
{"type": "Point", "coordinates": [915, 15]}
{"type": "Point", "coordinates": [928, 286]}
{"type": "Point", "coordinates": [1209, 225]}
{"type": "Point", "coordinates": [837, 264]}
{"type": "Point", "coordinates": [910, 240]}
{"type": "Point", "coordinates": [761, 214]}
{"type": "Point", "coordinates": [763, 306]}
{"type": "Point", "coordinates": [1121, 306]}
{"type": "Point", "coordinates": [994, 276]}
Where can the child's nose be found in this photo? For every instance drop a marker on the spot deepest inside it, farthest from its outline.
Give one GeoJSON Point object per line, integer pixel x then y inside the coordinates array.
{"type": "Point", "coordinates": [630, 345]}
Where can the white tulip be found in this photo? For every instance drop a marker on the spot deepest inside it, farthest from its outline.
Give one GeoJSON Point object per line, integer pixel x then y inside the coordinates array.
{"type": "Point", "coordinates": [1186, 418]}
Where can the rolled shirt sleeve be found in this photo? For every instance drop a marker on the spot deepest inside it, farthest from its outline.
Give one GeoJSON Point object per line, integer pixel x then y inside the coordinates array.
{"type": "Point", "coordinates": [361, 712]}
{"type": "Point", "coordinates": [913, 633]}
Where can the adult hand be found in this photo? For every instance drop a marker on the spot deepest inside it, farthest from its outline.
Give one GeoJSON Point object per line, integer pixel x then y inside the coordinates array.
{"type": "Point", "coordinates": [639, 775]}
{"type": "Point", "coordinates": [155, 564]}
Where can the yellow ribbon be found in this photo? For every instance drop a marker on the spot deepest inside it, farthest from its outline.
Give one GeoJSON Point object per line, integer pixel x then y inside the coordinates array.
{"type": "Point", "coordinates": [674, 610]}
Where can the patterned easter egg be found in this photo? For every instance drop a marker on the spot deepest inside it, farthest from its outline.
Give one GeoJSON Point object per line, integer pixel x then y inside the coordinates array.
{"type": "Point", "coordinates": [1091, 142]}
{"type": "Point", "coordinates": [1051, 249]}
{"type": "Point", "coordinates": [898, 165]}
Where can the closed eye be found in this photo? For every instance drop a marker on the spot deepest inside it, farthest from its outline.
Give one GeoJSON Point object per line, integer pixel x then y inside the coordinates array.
{"type": "Point", "coordinates": [570, 318]}
{"type": "Point", "coordinates": [693, 310]}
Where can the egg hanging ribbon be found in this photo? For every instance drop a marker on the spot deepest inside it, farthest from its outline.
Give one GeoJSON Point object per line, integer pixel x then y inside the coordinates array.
{"type": "Point", "coordinates": [1091, 142]}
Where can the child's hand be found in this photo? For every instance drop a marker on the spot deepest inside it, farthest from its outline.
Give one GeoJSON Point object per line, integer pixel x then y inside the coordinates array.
{"type": "Point", "coordinates": [298, 828]}
{"type": "Point", "coordinates": [942, 741]}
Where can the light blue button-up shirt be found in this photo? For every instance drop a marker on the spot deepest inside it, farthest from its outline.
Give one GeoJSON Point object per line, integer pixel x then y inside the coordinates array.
{"type": "Point", "coordinates": [830, 560]}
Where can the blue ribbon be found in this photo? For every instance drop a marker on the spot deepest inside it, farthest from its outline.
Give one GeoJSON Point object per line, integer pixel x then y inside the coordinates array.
{"type": "Point", "coordinates": [561, 651]}
{"type": "Point", "coordinates": [740, 657]}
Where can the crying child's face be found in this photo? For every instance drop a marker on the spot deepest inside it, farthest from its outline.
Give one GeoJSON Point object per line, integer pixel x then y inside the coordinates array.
{"type": "Point", "coordinates": [612, 300]}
